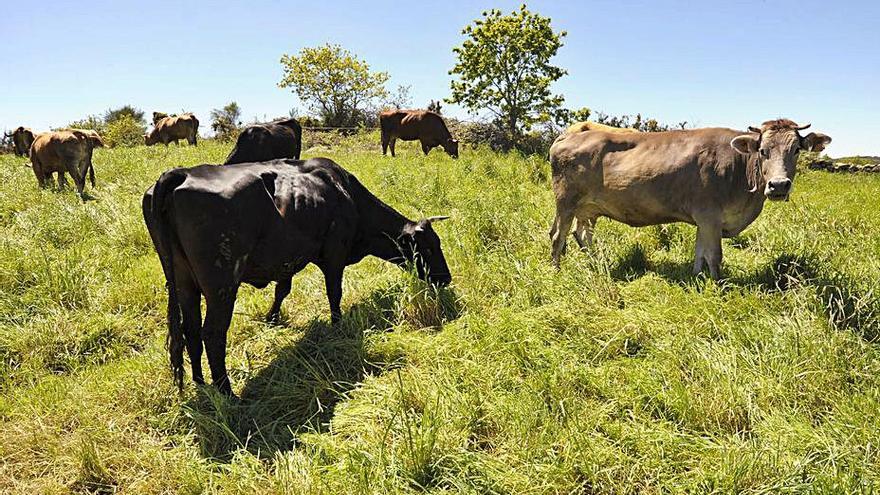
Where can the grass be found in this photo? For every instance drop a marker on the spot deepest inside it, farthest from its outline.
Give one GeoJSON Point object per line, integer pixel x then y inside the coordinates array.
{"type": "Point", "coordinates": [620, 373]}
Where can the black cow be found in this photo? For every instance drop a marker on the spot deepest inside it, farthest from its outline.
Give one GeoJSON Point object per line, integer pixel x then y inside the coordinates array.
{"type": "Point", "coordinates": [216, 227]}
{"type": "Point", "coordinates": [270, 141]}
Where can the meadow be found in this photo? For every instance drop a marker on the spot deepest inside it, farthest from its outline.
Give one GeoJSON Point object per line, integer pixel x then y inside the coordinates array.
{"type": "Point", "coordinates": [620, 373]}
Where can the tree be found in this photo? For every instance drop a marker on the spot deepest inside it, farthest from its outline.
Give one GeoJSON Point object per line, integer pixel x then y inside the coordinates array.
{"type": "Point", "coordinates": [334, 83]}
{"type": "Point", "coordinates": [504, 67]}
{"type": "Point", "coordinates": [400, 98]}
{"type": "Point", "coordinates": [225, 121]}
{"type": "Point", "coordinates": [137, 114]}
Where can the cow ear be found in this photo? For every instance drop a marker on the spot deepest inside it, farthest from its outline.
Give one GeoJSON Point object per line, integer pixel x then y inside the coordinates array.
{"type": "Point", "coordinates": [815, 141]}
{"type": "Point", "coordinates": [745, 144]}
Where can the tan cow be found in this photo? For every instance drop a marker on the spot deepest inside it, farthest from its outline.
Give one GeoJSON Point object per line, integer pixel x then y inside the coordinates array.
{"type": "Point", "coordinates": [60, 152]}
{"type": "Point", "coordinates": [172, 129]}
{"type": "Point", "coordinates": [716, 179]}
{"type": "Point", "coordinates": [93, 135]}
{"type": "Point", "coordinates": [595, 126]}
{"type": "Point", "coordinates": [22, 139]}
{"type": "Point", "coordinates": [416, 125]}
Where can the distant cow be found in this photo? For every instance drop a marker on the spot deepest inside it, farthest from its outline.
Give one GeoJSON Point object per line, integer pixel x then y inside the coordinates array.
{"type": "Point", "coordinates": [716, 179]}
{"type": "Point", "coordinates": [93, 135]}
{"type": "Point", "coordinates": [270, 141]}
{"type": "Point", "coordinates": [595, 126]}
{"type": "Point", "coordinates": [158, 116]}
{"type": "Point", "coordinates": [171, 129]}
{"type": "Point", "coordinates": [60, 152]}
{"type": "Point", "coordinates": [411, 125]}
{"type": "Point", "coordinates": [215, 228]}
{"type": "Point", "coordinates": [22, 139]}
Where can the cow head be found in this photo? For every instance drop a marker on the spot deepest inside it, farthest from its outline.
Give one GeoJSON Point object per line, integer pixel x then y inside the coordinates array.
{"type": "Point", "coordinates": [421, 246]}
{"type": "Point", "coordinates": [151, 138]}
{"type": "Point", "coordinates": [777, 144]}
{"type": "Point", "coordinates": [451, 147]}
{"type": "Point", "coordinates": [22, 139]}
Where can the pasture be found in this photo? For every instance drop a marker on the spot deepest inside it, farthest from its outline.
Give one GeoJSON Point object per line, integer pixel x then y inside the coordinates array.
{"type": "Point", "coordinates": [621, 373]}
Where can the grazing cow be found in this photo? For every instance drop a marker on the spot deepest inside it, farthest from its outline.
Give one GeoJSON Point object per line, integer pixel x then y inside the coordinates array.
{"type": "Point", "coordinates": [171, 129]}
{"type": "Point", "coordinates": [63, 151]}
{"type": "Point", "coordinates": [217, 227]}
{"type": "Point", "coordinates": [264, 142]}
{"type": "Point", "coordinates": [411, 125]}
{"type": "Point", "coordinates": [595, 126]}
{"type": "Point", "coordinates": [716, 179]}
{"type": "Point", "coordinates": [22, 139]}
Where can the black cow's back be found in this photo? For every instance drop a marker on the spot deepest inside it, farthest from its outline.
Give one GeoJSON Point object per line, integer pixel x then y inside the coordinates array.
{"type": "Point", "coordinates": [270, 141]}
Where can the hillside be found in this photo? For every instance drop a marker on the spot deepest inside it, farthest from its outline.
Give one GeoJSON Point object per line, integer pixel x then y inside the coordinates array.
{"type": "Point", "coordinates": [621, 373]}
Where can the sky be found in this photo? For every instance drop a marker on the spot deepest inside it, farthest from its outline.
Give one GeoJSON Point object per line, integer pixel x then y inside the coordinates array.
{"type": "Point", "coordinates": [731, 63]}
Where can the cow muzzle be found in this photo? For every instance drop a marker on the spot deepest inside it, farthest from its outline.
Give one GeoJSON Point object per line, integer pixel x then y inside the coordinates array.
{"type": "Point", "coordinates": [778, 189]}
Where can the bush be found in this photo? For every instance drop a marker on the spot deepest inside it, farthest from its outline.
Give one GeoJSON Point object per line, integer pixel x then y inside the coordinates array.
{"type": "Point", "coordinates": [89, 123]}
{"type": "Point", "coordinates": [124, 131]}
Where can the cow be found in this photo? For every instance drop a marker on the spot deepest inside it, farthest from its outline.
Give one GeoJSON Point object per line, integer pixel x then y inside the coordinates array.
{"type": "Point", "coordinates": [215, 228]}
{"type": "Point", "coordinates": [158, 116]}
{"type": "Point", "coordinates": [93, 135]}
{"type": "Point", "coordinates": [264, 142]}
{"type": "Point", "coordinates": [63, 151]}
{"type": "Point", "coordinates": [411, 125]}
{"type": "Point", "coordinates": [595, 126]}
{"type": "Point", "coordinates": [22, 139]}
{"type": "Point", "coordinates": [714, 178]}
{"type": "Point", "coordinates": [171, 129]}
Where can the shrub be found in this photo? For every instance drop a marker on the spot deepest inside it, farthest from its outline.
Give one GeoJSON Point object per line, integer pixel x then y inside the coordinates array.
{"type": "Point", "coordinates": [124, 131]}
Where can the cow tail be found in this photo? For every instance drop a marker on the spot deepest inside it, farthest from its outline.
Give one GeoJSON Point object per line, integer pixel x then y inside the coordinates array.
{"type": "Point", "coordinates": [167, 237]}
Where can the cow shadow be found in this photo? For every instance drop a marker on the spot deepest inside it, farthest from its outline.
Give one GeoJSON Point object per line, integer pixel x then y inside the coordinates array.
{"type": "Point", "coordinates": [845, 302]}
{"type": "Point", "coordinates": [298, 390]}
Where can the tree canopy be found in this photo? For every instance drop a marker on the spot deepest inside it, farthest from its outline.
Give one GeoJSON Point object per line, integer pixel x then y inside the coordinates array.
{"type": "Point", "coordinates": [504, 68]}
{"type": "Point", "coordinates": [333, 83]}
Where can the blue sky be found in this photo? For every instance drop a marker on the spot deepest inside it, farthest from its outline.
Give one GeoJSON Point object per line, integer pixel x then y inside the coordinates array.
{"type": "Point", "coordinates": [711, 63]}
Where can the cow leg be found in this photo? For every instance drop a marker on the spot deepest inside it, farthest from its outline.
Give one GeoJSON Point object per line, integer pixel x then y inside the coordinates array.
{"type": "Point", "coordinates": [217, 320]}
{"type": "Point", "coordinates": [559, 233]}
{"type": "Point", "coordinates": [425, 148]}
{"type": "Point", "coordinates": [282, 289]}
{"type": "Point", "coordinates": [333, 282]}
{"type": "Point", "coordinates": [708, 249]}
{"type": "Point", "coordinates": [190, 300]}
{"type": "Point", "coordinates": [62, 181]}
{"type": "Point", "coordinates": [384, 143]}
{"type": "Point", "coordinates": [391, 145]}
{"type": "Point", "coordinates": [583, 233]}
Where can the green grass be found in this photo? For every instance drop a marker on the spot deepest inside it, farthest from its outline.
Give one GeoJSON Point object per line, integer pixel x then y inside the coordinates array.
{"type": "Point", "coordinates": [620, 373]}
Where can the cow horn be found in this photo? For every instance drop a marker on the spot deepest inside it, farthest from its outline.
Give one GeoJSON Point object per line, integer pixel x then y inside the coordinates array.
{"type": "Point", "coordinates": [804, 127]}
{"type": "Point", "coordinates": [437, 218]}
{"type": "Point", "coordinates": [754, 129]}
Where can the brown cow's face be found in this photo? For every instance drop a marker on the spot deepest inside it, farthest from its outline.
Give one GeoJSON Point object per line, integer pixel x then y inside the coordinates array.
{"type": "Point", "coordinates": [451, 147]}
{"type": "Point", "coordinates": [777, 144]}
{"type": "Point", "coordinates": [149, 139]}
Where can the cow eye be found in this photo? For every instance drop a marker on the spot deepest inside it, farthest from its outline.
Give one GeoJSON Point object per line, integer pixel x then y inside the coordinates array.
{"type": "Point", "coordinates": [765, 153]}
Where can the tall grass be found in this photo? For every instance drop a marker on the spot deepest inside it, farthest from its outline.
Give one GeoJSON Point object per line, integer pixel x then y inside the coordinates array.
{"type": "Point", "coordinates": [620, 373]}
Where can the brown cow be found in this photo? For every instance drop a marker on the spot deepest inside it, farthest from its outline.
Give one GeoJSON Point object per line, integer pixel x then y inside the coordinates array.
{"type": "Point", "coordinates": [410, 125]}
{"type": "Point", "coordinates": [93, 135]}
{"type": "Point", "coordinates": [22, 139]}
{"type": "Point", "coordinates": [168, 129]}
{"type": "Point", "coordinates": [63, 151]}
{"type": "Point", "coordinates": [158, 116]}
{"type": "Point", "coordinates": [595, 126]}
{"type": "Point", "coordinates": [716, 179]}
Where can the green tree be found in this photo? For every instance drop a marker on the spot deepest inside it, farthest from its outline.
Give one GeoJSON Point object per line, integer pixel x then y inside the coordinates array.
{"type": "Point", "coordinates": [334, 83]}
{"type": "Point", "coordinates": [504, 67]}
{"type": "Point", "coordinates": [124, 131]}
{"type": "Point", "coordinates": [225, 121]}
{"type": "Point", "coordinates": [137, 114]}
